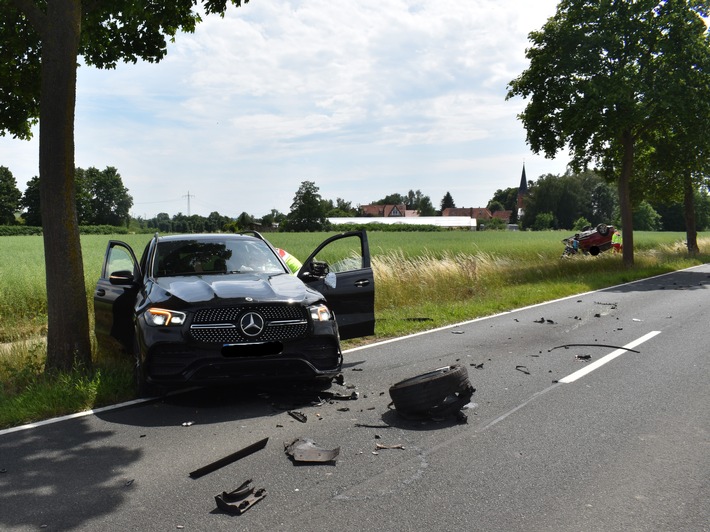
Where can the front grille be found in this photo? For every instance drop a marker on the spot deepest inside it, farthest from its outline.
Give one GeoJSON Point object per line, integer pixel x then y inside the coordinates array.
{"type": "Point", "coordinates": [222, 325]}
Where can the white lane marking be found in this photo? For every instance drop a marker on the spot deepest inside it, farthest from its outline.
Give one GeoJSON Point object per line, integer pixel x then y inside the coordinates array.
{"type": "Point", "coordinates": [611, 356]}
{"type": "Point", "coordinates": [76, 415]}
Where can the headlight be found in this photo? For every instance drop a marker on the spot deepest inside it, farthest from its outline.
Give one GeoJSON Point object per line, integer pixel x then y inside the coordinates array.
{"type": "Point", "coordinates": [320, 313]}
{"type": "Point", "coordinates": [159, 317]}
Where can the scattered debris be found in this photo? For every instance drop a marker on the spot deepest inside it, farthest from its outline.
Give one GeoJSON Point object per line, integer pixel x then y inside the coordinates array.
{"type": "Point", "coordinates": [523, 369]}
{"type": "Point", "coordinates": [128, 482]}
{"type": "Point", "coordinates": [583, 357]}
{"type": "Point", "coordinates": [567, 346]}
{"type": "Point", "coordinates": [240, 500]}
{"type": "Point", "coordinates": [541, 320]}
{"type": "Point", "coordinates": [298, 416]}
{"type": "Point", "coordinates": [305, 450]}
{"type": "Point", "coordinates": [188, 424]}
{"type": "Point", "coordinates": [477, 366]}
{"type": "Point", "coordinates": [340, 397]}
{"type": "Point", "coordinates": [209, 468]}
{"type": "Point", "coordinates": [457, 332]}
{"type": "Point", "coordinates": [393, 446]}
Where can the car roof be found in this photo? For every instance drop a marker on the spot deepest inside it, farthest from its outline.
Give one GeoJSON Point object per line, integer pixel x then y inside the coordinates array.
{"type": "Point", "coordinates": [205, 237]}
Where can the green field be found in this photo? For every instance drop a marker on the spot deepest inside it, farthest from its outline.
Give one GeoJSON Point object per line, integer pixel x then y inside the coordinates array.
{"type": "Point", "coordinates": [397, 257]}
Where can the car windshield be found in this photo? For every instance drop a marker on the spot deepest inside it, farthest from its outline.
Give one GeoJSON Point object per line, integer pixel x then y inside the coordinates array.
{"type": "Point", "coordinates": [200, 257]}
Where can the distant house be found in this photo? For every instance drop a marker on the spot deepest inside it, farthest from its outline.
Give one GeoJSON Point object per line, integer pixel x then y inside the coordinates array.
{"type": "Point", "coordinates": [386, 211]}
{"type": "Point", "coordinates": [479, 213]}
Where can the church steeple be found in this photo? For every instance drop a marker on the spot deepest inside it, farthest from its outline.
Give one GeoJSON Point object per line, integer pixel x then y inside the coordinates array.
{"type": "Point", "coordinates": [522, 192]}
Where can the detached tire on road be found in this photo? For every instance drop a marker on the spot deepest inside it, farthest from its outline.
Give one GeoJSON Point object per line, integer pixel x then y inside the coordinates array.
{"type": "Point", "coordinates": [432, 393]}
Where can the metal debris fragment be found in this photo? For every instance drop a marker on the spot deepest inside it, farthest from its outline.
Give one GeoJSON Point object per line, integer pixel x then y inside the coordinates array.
{"type": "Point", "coordinates": [305, 450]}
{"type": "Point", "coordinates": [240, 500]}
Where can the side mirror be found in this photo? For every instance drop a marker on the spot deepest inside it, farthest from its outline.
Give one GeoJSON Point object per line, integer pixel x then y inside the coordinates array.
{"type": "Point", "coordinates": [121, 277]}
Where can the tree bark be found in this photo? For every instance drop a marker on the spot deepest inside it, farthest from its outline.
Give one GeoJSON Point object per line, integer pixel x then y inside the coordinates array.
{"type": "Point", "coordinates": [691, 229]}
{"type": "Point", "coordinates": [627, 168]}
{"type": "Point", "coordinates": [68, 340]}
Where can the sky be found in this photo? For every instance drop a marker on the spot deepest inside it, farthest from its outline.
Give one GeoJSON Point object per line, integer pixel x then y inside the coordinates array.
{"type": "Point", "coordinates": [365, 99]}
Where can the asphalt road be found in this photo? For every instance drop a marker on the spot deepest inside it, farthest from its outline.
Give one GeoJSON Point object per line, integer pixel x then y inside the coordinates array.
{"type": "Point", "coordinates": [625, 446]}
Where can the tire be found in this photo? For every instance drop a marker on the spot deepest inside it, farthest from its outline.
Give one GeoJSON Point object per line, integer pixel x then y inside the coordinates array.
{"type": "Point", "coordinates": [140, 377]}
{"type": "Point", "coordinates": [594, 251]}
{"type": "Point", "coordinates": [422, 394]}
{"type": "Point", "coordinates": [603, 229]}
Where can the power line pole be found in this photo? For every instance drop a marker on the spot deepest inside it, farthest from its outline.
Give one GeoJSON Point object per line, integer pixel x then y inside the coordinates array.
{"type": "Point", "coordinates": [188, 201]}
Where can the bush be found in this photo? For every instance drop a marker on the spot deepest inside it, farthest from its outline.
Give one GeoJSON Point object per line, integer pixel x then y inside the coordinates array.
{"type": "Point", "coordinates": [29, 230]}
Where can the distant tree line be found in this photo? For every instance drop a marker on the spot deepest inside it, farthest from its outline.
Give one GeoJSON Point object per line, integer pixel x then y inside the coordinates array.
{"type": "Point", "coordinates": [569, 201]}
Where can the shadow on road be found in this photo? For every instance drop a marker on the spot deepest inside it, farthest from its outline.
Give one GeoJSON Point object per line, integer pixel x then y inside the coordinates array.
{"type": "Point", "coordinates": [39, 479]}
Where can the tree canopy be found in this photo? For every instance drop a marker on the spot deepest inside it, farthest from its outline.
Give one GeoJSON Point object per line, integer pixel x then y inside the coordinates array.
{"type": "Point", "coordinates": [307, 210]}
{"type": "Point", "coordinates": [10, 196]}
{"type": "Point", "coordinates": [40, 42]}
{"type": "Point", "coordinates": [598, 84]}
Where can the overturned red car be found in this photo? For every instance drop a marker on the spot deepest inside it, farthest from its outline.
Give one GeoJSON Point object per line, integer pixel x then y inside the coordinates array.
{"type": "Point", "coordinates": [590, 241]}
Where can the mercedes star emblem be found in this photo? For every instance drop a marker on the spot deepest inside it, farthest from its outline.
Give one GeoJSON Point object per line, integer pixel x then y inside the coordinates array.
{"type": "Point", "coordinates": [252, 324]}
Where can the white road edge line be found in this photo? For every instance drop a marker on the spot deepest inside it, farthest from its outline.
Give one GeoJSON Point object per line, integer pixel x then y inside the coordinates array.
{"type": "Point", "coordinates": [611, 356]}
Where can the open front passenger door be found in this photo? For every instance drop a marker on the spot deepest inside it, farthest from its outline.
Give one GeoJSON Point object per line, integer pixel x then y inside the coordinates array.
{"type": "Point", "coordinates": [340, 269]}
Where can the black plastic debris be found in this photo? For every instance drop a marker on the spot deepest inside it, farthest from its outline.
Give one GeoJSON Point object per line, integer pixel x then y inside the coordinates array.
{"type": "Point", "coordinates": [567, 346]}
{"type": "Point", "coordinates": [209, 468]}
{"type": "Point", "coordinates": [240, 500]}
{"type": "Point", "coordinates": [523, 369]}
{"type": "Point", "coordinates": [298, 416]}
{"type": "Point", "coordinates": [583, 357]}
{"type": "Point", "coordinates": [305, 450]}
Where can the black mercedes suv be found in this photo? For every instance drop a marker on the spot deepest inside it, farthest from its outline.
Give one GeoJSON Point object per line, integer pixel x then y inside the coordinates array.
{"type": "Point", "coordinates": [222, 308]}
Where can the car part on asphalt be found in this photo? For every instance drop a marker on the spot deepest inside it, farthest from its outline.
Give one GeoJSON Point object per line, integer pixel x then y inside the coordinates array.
{"type": "Point", "coordinates": [246, 451]}
{"type": "Point", "coordinates": [434, 395]}
{"type": "Point", "coordinates": [305, 450]}
{"type": "Point", "coordinates": [594, 345]}
{"type": "Point", "coordinates": [240, 500]}
{"type": "Point", "coordinates": [298, 416]}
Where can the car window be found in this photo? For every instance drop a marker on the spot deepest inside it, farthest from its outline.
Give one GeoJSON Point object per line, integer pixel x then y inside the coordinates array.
{"type": "Point", "coordinates": [119, 260]}
{"type": "Point", "coordinates": [343, 255]}
{"type": "Point", "coordinates": [192, 257]}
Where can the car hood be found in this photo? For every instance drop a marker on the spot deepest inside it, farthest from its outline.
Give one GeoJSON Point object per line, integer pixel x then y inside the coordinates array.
{"type": "Point", "coordinates": [257, 288]}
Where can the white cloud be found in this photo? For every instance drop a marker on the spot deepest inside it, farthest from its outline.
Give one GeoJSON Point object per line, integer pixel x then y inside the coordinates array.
{"type": "Point", "coordinates": [365, 98]}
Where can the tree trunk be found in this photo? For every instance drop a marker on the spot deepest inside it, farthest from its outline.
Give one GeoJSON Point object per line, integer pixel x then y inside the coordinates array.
{"type": "Point", "coordinates": [689, 213]}
{"type": "Point", "coordinates": [627, 168]}
{"type": "Point", "coordinates": [68, 341]}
